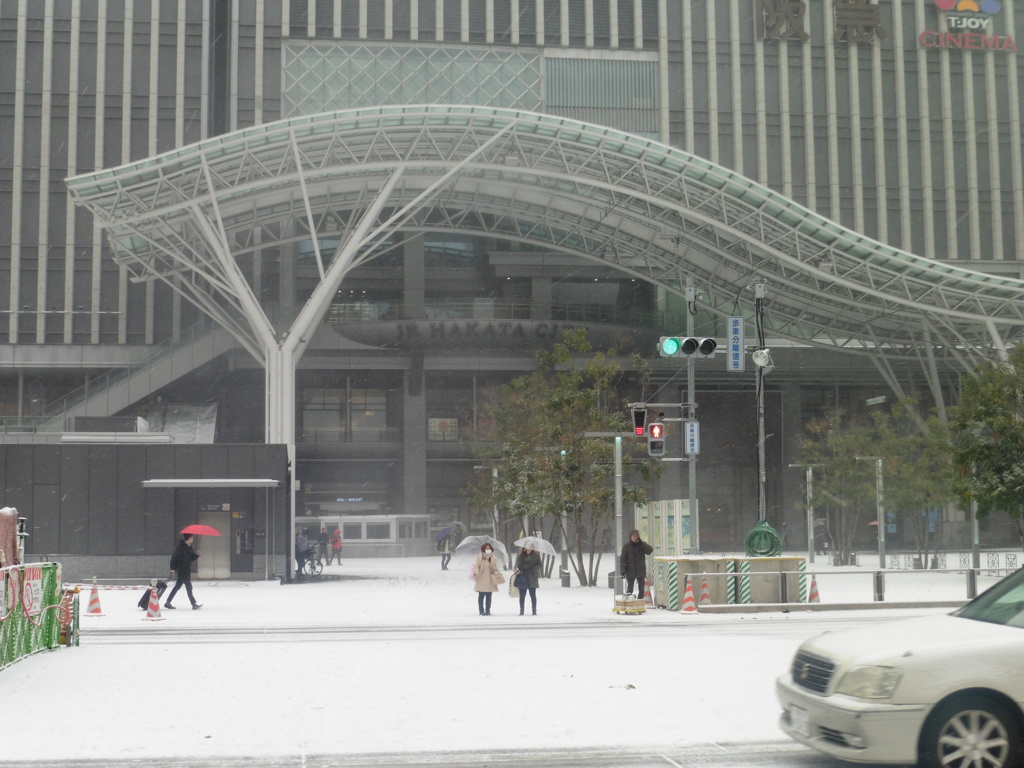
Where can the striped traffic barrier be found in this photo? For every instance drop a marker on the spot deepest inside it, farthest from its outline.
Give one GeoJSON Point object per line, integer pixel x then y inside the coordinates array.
{"type": "Point", "coordinates": [745, 581]}
{"type": "Point", "coordinates": [673, 586]}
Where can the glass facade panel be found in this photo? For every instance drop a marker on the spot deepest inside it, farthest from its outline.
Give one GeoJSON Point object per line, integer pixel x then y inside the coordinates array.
{"type": "Point", "coordinates": [369, 413]}
{"type": "Point", "coordinates": [619, 93]}
{"type": "Point", "coordinates": [327, 417]}
{"type": "Point", "coordinates": [322, 77]}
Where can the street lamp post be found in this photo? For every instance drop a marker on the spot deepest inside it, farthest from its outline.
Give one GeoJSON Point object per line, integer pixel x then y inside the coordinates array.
{"type": "Point", "coordinates": [880, 507]}
{"type": "Point", "coordinates": [618, 484]}
{"type": "Point", "coordinates": [494, 499]}
{"type": "Point", "coordinates": [809, 496]}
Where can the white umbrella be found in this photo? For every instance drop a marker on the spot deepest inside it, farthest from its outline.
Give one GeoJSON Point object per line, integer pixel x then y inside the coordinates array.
{"type": "Point", "coordinates": [537, 544]}
{"type": "Point", "coordinates": [472, 544]}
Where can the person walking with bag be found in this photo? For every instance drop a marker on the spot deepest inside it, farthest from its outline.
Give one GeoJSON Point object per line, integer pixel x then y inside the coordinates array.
{"type": "Point", "coordinates": [527, 577]}
{"type": "Point", "coordinates": [181, 564]}
{"type": "Point", "coordinates": [633, 563]}
{"type": "Point", "coordinates": [487, 577]}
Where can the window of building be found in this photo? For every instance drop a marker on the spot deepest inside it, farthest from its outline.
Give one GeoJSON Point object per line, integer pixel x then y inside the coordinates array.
{"type": "Point", "coordinates": [369, 414]}
{"type": "Point", "coordinates": [412, 529]}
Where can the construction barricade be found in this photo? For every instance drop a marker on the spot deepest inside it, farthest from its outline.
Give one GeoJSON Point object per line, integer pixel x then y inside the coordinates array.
{"type": "Point", "coordinates": [36, 613]}
{"type": "Point", "coordinates": [668, 579]}
{"type": "Point", "coordinates": [729, 581]}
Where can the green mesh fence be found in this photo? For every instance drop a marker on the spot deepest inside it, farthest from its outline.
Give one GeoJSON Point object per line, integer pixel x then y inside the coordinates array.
{"type": "Point", "coordinates": [36, 614]}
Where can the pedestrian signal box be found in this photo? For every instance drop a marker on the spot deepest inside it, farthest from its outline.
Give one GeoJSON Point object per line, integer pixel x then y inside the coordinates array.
{"type": "Point", "coordinates": [656, 439]}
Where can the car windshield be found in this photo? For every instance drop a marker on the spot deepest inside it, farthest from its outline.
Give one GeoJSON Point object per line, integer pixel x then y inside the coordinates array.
{"type": "Point", "coordinates": [1002, 604]}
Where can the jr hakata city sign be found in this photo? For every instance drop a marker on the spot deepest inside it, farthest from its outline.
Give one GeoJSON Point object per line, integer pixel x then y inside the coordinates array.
{"type": "Point", "coordinates": [969, 25]}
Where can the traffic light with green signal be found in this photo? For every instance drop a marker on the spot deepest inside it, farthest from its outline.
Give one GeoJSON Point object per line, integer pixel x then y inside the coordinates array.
{"type": "Point", "coordinates": [687, 346]}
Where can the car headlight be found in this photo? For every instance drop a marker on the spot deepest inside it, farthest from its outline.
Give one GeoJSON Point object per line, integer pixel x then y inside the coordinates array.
{"type": "Point", "coordinates": [870, 682]}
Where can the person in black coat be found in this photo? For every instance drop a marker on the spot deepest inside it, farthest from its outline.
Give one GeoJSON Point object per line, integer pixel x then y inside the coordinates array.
{"type": "Point", "coordinates": [181, 564]}
{"type": "Point", "coordinates": [633, 563]}
{"type": "Point", "coordinates": [528, 563]}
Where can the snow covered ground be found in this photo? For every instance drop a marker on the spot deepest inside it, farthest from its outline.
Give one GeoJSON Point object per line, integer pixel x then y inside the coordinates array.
{"type": "Point", "coordinates": [405, 664]}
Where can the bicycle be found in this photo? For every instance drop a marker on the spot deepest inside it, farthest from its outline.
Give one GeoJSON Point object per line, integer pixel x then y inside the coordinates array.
{"type": "Point", "coordinates": [313, 565]}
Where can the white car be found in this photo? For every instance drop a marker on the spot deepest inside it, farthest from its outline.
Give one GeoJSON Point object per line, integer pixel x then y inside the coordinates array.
{"type": "Point", "coordinates": [937, 691]}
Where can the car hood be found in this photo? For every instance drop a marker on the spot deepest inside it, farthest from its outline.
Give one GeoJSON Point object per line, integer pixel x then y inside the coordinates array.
{"type": "Point", "coordinates": [924, 636]}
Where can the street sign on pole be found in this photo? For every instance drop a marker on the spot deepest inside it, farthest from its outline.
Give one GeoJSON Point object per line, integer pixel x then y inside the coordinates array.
{"type": "Point", "coordinates": [692, 438]}
{"type": "Point", "coordinates": [735, 341]}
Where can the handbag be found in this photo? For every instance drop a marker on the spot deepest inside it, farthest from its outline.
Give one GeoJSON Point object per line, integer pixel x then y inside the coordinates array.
{"type": "Point", "coordinates": [498, 578]}
{"type": "Point", "coordinates": [522, 581]}
{"type": "Point", "coordinates": [513, 590]}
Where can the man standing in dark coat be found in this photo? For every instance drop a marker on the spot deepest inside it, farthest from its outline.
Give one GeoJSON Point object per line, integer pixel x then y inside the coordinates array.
{"type": "Point", "coordinates": [633, 563]}
{"type": "Point", "coordinates": [181, 564]}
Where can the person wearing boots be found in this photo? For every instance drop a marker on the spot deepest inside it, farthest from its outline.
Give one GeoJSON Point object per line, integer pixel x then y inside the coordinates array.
{"type": "Point", "coordinates": [486, 578]}
{"type": "Point", "coordinates": [181, 564]}
{"type": "Point", "coordinates": [633, 563]}
{"type": "Point", "coordinates": [528, 566]}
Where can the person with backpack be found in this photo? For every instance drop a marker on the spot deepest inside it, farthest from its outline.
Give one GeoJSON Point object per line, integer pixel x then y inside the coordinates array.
{"type": "Point", "coordinates": [181, 565]}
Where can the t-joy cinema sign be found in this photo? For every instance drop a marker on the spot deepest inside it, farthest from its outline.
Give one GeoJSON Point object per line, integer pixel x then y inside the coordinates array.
{"type": "Point", "coordinates": [969, 25]}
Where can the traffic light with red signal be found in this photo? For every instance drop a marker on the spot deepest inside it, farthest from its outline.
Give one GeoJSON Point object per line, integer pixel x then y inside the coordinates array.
{"type": "Point", "coordinates": [639, 421]}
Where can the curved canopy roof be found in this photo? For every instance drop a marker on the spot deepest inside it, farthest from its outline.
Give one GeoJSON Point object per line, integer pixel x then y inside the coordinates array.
{"type": "Point", "coordinates": [200, 217]}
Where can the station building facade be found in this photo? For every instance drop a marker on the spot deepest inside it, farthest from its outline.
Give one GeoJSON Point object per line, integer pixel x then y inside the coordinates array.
{"type": "Point", "coordinates": [900, 120]}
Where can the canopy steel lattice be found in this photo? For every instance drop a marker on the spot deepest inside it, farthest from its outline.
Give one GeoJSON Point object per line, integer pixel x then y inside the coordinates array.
{"type": "Point", "coordinates": [204, 217]}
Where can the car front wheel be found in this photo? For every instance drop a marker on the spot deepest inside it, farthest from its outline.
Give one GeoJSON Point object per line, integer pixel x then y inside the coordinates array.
{"type": "Point", "coordinates": [971, 732]}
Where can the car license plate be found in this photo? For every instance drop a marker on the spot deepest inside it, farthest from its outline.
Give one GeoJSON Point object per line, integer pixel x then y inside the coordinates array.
{"type": "Point", "coordinates": [798, 719]}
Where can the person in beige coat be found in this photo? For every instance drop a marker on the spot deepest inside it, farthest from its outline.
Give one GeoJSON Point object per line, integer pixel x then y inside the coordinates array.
{"type": "Point", "coordinates": [487, 577]}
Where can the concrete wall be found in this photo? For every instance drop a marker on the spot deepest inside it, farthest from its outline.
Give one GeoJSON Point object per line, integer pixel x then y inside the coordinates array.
{"type": "Point", "coordinates": [86, 507]}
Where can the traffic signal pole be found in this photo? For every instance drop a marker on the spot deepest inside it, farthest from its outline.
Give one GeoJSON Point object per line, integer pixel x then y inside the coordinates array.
{"type": "Point", "coordinates": [690, 413]}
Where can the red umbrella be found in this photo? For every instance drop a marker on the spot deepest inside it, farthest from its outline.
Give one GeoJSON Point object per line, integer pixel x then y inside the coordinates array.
{"type": "Point", "coordinates": [200, 530]}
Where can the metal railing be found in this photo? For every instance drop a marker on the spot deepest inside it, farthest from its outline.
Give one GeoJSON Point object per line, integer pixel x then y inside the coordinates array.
{"type": "Point", "coordinates": [56, 410]}
{"type": "Point", "coordinates": [878, 589]}
{"type": "Point", "coordinates": [487, 309]}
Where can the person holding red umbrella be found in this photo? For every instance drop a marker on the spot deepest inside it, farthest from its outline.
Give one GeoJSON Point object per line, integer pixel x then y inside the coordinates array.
{"type": "Point", "coordinates": [181, 565]}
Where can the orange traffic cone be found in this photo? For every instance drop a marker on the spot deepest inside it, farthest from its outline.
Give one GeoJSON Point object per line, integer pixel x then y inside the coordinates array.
{"type": "Point", "coordinates": [705, 595]}
{"type": "Point", "coordinates": [814, 597]}
{"type": "Point", "coordinates": [648, 598]}
{"type": "Point", "coordinates": [153, 612]}
{"type": "Point", "coordinates": [94, 602]}
{"type": "Point", "coordinates": [688, 606]}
